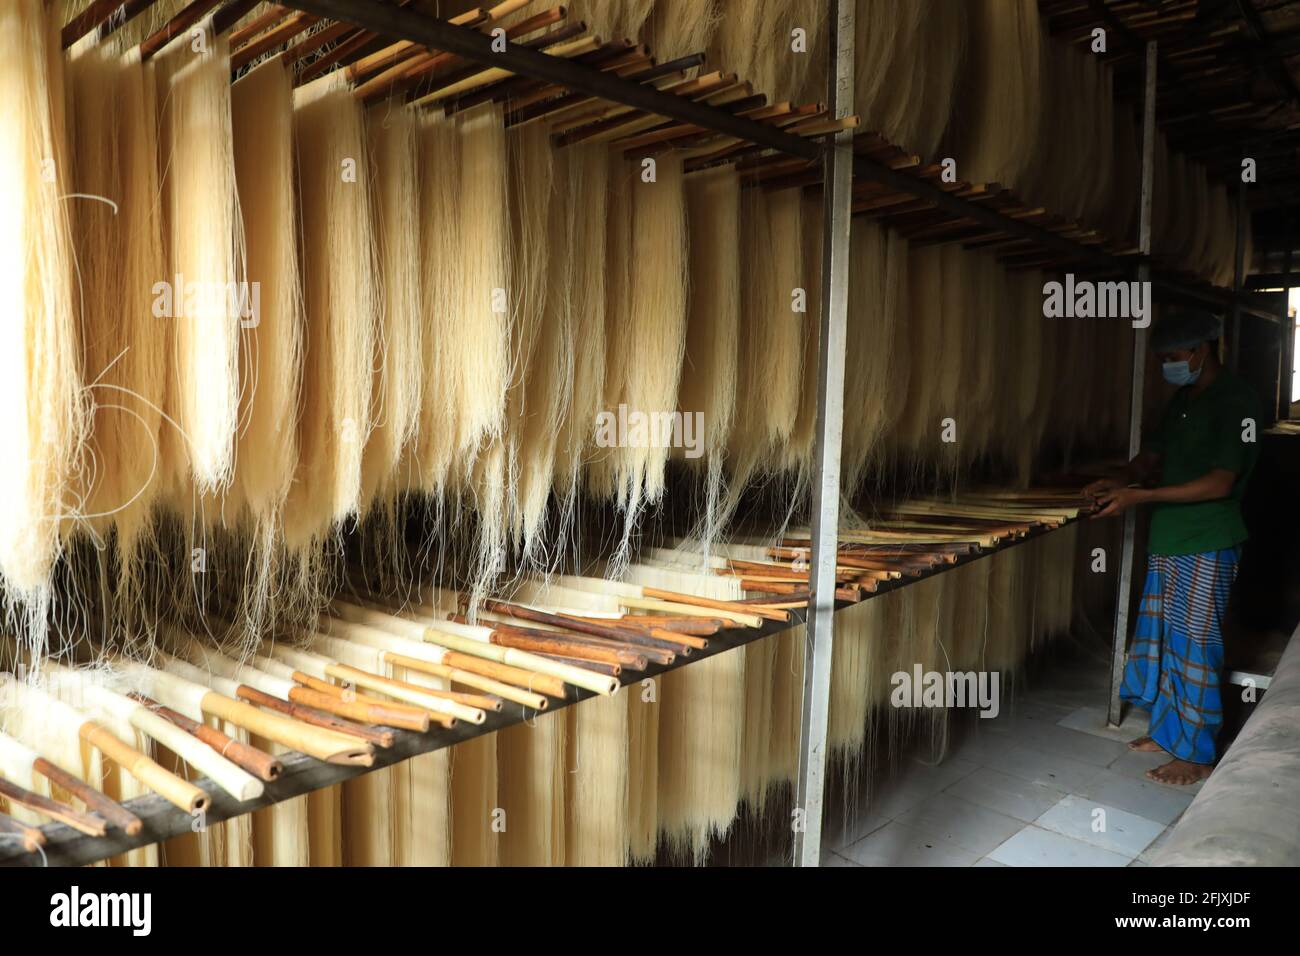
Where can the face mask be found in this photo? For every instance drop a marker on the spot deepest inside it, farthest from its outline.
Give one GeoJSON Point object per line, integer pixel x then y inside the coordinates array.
{"type": "Point", "coordinates": [1179, 373]}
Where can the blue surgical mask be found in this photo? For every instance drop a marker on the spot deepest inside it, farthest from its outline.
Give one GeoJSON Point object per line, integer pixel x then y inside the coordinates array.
{"type": "Point", "coordinates": [1179, 373]}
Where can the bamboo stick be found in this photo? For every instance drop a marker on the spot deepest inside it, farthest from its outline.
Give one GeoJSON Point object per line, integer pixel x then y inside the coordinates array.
{"type": "Point", "coordinates": [257, 762]}
{"type": "Point", "coordinates": [578, 676]}
{"type": "Point", "coordinates": [178, 792]}
{"type": "Point", "coordinates": [106, 807]}
{"type": "Point", "coordinates": [597, 667]}
{"type": "Point", "coordinates": [182, 682]}
{"type": "Point", "coordinates": [269, 41]}
{"type": "Point", "coordinates": [454, 636]}
{"type": "Point", "coordinates": [86, 823]}
{"type": "Point", "coordinates": [516, 676]}
{"type": "Point", "coordinates": [470, 679]}
{"type": "Point", "coordinates": [274, 15]}
{"type": "Point", "coordinates": [409, 693]}
{"type": "Point", "coordinates": [651, 648]}
{"type": "Point", "coordinates": [560, 647]}
{"type": "Point", "coordinates": [317, 718]}
{"type": "Point", "coordinates": [676, 597]}
{"type": "Point", "coordinates": [406, 716]}
{"type": "Point", "coordinates": [177, 25]}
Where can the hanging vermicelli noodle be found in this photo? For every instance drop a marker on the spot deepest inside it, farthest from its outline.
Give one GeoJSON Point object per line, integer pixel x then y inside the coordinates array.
{"type": "Point", "coordinates": [474, 837]}
{"type": "Point", "coordinates": [787, 691]}
{"type": "Point", "coordinates": [393, 139]}
{"type": "Point", "coordinates": [909, 58]}
{"type": "Point", "coordinates": [262, 112]}
{"type": "Point", "coordinates": [119, 258]}
{"type": "Point", "coordinates": [643, 775]}
{"type": "Point", "coordinates": [440, 245]}
{"type": "Point", "coordinates": [531, 790]}
{"type": "Point", "coordinates": [755, 748]}
{"type": "Point", "coordinates": [679, 28]}
{"type": "Point", "coordinates": [881, 32]}
{"type": "Point", "coordinates": [542, 351]}
{"type": "Point", "coordinates": [799, 451]}
{"type": "Point", "coordinates": [771, 332]}
{"type": "Point", "coordinates": [709, 370]}
{"type": "Point", "coordinates": [1019, 393]}
{"type": "Point", "coordinates": [858, 629]}
{"type": "Point", "coordinates": [995, 128]}
{"type": "Point", "coordinates": [699, 729]}
{"type": "Point", "coordinates": [584, 270]}
{"type": "Point", "coordinates": [606, 470]}
{"type": "Point", "coordinates": [986, 350]}
{"type": "Point", "coordinates": [782, 329]}
{"type": "Point", "coordinates": [1101, 194]}
{"type": "Point", "coordinates": [613, 19]}
{"type": "Point", "coordinates": [44, 424]}
{"type": "Point", "coordinates": [893, 391]}
{"type": "Point", "coordinates": [1127, 167]}
{"type": "Point", "coordinates": [874, 316]}
{"type": "Point", "coordinates": [341, 308]}
{"type": "Point", "coordinates": [657, 312]}
{"type": "Point", "coordinates": [480, 343]}
{"type": "Point", "coordinates": [206, 253]}
{"type": "Point", "coordinates": [931, 333]}
{"type": "Point", "coordinates": [596, 829]}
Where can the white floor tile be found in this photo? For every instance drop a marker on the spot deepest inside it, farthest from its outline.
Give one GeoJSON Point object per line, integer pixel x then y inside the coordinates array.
{"type": "Point", "coordinates": [987, 861]}
{"type": "Point", "coordinates": [1124, 833]}
{"type": "Point", "coordinates": [1092, 720]}
{"type": "Point", "coordinates": [1144, 797]}
{"type": "Point", "coordinates": [1135, 764]}
{"type": "Point", "coordinates": [983, 746]}
{"type": "Point", "coordinates": [912, 783]}
{"type": "Point", "coordinates": [1040, 707]}
{"type": "Point", "coordinates": [897, 844]}
{"type": "Point", "coordinates": [1049, 736]}
{"type": "Point", "coordinates": [1049, 769]}
{"type": "Point", "coordinates": [958, 821]}
{"type": "Point", "coordinates": [1035, 847]}
{"type": "Point", "coordinates": [1014, 796]}
{"type": "Point", "coordinates": [832, 859]}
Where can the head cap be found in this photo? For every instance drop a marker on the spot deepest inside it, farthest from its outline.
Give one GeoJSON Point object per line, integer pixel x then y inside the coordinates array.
{"type": "Point", "coordinates": [1185, 329]}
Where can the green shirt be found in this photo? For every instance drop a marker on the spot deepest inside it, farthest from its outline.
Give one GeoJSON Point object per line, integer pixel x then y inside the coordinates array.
{"type": "Point", "coordinates": [1199, 433]}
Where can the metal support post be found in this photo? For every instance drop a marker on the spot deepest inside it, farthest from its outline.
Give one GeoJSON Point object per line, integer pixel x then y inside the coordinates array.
{"type": "Point", "coordinates": [1138, 390]}
{"type": "Point", "coordinates": [837, 209]}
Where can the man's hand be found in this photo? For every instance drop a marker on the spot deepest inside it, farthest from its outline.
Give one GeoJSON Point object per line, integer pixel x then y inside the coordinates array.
{"type": "Point", "coordinates": [1102, 486]}
{"type": "Point", "coordinates": [1117, 500]}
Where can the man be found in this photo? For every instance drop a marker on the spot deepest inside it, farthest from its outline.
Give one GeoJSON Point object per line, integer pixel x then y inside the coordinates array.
{"type": "Point", "coordinates": [1200, 458]}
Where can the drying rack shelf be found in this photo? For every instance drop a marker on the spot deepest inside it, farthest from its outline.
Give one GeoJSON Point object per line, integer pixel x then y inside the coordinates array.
{"type": "Point", "coordinates": [887, 181]}
{"type": "Point", "coordinates": [303, 774]}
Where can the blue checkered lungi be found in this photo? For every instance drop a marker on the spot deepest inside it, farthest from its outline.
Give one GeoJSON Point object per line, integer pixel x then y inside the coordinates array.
{"type": "Point", "coordinates": [1176, 660]}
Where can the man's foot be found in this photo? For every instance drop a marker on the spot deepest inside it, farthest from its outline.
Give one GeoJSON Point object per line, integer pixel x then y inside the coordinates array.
{"type": "Point", "coordinates": [1145, 744]}
{"type": "Point", "coordinates": [1180, 773]}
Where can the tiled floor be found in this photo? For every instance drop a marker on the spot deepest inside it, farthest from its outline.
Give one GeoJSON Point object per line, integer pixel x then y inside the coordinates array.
{"type": "Point", "coordinates": [1045, 783]}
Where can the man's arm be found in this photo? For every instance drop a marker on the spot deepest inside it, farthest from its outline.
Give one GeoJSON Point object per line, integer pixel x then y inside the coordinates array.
{"type": "Point", "coordinates": [1137, 472]}
{"type": "Point", "coordinates": [1213, 485]}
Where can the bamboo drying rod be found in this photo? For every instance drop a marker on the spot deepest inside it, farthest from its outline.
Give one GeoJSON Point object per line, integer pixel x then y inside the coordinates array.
{"type": "Point", "coordinates": [86, 823]}
{"type": "Point", "coordinates": [256, 762]}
